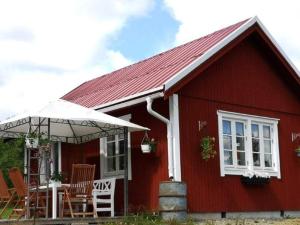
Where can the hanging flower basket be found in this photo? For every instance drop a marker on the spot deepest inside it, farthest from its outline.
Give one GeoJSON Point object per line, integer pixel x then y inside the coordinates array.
{"type": "Point", "coordinates": [148, 145]}
{"type": "Point", "coordinates": [146, 148]}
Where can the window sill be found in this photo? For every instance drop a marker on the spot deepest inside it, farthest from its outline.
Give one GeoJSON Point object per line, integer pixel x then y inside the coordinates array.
{"type": "Point", "coordinates": [242, 171]}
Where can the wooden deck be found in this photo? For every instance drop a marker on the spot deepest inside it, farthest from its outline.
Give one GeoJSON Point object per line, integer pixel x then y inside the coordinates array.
{"type": "Point", "coordinates": [62, 221]}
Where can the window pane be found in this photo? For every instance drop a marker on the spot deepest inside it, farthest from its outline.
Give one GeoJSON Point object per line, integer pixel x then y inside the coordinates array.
{"type": "Point", "coordinates": [228, 158]}
{"type": "Point", "coordinates": [255, 145]}
{"type": "Point", "coordinates": [111, 149]}
{"type": "Point", "coordinates": [266, 132]}
{"type": "Point", "coordinates": [110, 138]}
{"type": "Point", "coordinates": [121, 161]}
{"type": "Point", "coordinates": [267, 146]}
{"type": "Point", "coordinates": [240, 143]}
{"type": "Point", "coordinates": [227, 142]}
{"type": "Point", "coordinates": [226, 127]}
{"type": "Point", "coordinates": [121, 136]}
{"type": "Point", "coordinates": [239, 129]}
{"type": "Point", "coordinates": [254, 130]}
{"type": "Point", "coordinates": [256, 159]}
{"type": "Point", "coordinates": [111, 164]}
{"type": "Point", "coordinates": [241, 158]}
{"type": "Point", "coordinates": [268, 160]}
{"type": "Point", "coordinates": [121, 147]}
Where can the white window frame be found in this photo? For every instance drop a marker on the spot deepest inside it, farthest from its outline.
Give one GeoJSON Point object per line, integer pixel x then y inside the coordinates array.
{"type": "Point", "coordinates": [273, 171]}
{"type": "Point", "coordinates": [103, 156]}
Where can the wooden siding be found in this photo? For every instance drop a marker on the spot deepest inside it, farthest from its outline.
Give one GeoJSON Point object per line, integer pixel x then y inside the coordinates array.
{"type": "Point", "coordinates": [248, 79]}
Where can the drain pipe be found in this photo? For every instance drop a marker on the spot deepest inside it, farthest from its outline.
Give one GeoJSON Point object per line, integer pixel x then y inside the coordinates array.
{"type": "Point", "coordinates": [169, 136]}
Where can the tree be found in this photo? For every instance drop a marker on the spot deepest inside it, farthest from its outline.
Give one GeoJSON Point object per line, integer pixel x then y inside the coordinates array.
{"type": "Point", "coordinates": [11, 155]}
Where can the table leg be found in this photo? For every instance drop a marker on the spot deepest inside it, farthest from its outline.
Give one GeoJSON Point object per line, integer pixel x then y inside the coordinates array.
{"type": "Point", "coordinates": [54, 201]}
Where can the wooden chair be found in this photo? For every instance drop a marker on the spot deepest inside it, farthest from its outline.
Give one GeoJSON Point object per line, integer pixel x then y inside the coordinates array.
{"type": "Point", "coordinates": [6, 195]}
{"type": "Point", "coordinates": [78, 195]}
{"type": "Point", "coordinates": [19, 208]}
{"type": "Point", "coordinates": [104, 195]}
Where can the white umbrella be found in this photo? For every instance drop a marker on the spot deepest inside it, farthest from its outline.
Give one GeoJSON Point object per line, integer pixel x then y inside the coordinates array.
{"type": "Point", "coordinates": [66, 122]}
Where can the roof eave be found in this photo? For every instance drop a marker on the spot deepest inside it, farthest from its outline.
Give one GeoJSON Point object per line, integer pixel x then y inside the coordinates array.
{"type": "Point", "coordinates": [122, 101]}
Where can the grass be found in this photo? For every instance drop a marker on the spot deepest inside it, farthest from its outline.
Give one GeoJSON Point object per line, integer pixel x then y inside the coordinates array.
{"type": "Point", "coordinates": [6, 213]}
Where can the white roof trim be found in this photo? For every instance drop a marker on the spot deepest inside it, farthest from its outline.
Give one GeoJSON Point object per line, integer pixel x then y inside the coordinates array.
{"type": "Point", "coordinates": [130, 102]}
{"type": "Point", "coordinates": [137, 95]}
{"type": "Point", "coordinates": [216, 48]}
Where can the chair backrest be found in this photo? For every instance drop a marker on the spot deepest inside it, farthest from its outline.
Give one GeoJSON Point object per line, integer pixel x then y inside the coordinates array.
{"type": "Point", "coordinates": [82, 179]}
{"type": "Point", "coordinates": [4, 193]}
{"type": "Point", "coordinates": [105, 186]}
{"type": "Point", "coordinates": [17, 179]}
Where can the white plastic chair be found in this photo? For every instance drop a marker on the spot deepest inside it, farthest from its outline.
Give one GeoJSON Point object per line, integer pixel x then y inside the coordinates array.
{"type": "Point", "coordinates": [103, 195]}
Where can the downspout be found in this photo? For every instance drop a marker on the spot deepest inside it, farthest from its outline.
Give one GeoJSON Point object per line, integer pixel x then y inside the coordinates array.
{"type": "Point", "coordinates": [169, 136]}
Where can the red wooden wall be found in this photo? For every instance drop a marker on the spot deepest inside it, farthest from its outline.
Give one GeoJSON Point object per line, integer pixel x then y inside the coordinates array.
{"type": "Point", "coordinates": [246, 80]}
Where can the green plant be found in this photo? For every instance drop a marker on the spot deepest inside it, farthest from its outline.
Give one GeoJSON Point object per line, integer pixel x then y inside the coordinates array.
{"type": "Point", "coordinates": [57, 176]}
{"type": "Point", "coordinates": [207, 147]}
{"type": "Point", "coordinates": [151, 142]}
{"type": "Point", "coordinates": [12, 155]}
{"type": "Point", "coordinates": [43, 141]}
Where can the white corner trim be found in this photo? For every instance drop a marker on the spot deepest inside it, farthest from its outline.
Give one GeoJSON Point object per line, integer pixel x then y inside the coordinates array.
{"type": "Point", "coordinates": [59, 156]}
{"type": "Point", "coordinates": [130, 97]}
{"type": "Point", "coordinates": [216, 48]}
{"type": "Point", "coordinates": [174, 119]}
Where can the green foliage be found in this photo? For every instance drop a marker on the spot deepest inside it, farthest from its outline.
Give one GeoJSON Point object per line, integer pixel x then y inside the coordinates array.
{"type": "Point", "coordinates": [11, 155]}
{"type": "Point", "coordinates": [207, 147]}
{"type": "Point", "coordinates": [57, 176]}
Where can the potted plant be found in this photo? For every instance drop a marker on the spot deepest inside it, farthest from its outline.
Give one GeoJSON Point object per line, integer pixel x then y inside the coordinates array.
{"type": "Point", "coordinates": [148, 145]}
{"type": "Point", "coordinates": [44, 142]}
{"type": "Point", "coordinates": [297, 150]}
{"type": "Point", "coordinates": [32, 140]}
{"type": "Point", "coordinates": [254, 178]}
{"type": "Point", "coordinates": [56, 177]}
{"type": "Point", "coordinates": [207, 147]}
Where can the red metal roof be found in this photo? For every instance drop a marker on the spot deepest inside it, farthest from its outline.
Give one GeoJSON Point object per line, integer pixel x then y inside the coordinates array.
{"type": "Point", "coordinates": [145, 75]}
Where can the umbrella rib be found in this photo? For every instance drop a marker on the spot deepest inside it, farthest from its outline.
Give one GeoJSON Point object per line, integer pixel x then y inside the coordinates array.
{"type": "Point", "coordinates": [73, 131]}
{"type": "Point", "coordinates": [100, 128]}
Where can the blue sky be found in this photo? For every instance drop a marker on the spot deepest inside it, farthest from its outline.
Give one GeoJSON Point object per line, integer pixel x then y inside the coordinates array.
{"type": "Point", "coordinates": [146, 36]}
{"type": "Point", "coordinates": [49, 47]}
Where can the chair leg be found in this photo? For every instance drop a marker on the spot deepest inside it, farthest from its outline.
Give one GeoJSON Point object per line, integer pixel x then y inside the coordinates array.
{"type": "Point", "coordinates": [70, 206]}
{"type": "Point", "coordinates": [6, 205]}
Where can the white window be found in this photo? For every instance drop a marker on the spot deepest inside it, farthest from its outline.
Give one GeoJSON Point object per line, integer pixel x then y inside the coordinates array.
{"type": "Point", "coordinates": [112, 155]}
{"type": "Point", "coordinates": [248, 143]}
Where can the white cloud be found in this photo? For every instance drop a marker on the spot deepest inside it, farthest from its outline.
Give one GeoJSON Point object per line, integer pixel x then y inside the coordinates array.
{"type": "Point", "coordinates": [198, 18]}
{"type": "Point", "coordinates": [49, 47]}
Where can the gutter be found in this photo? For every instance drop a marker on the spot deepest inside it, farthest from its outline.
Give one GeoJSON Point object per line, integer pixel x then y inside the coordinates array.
{"type": "Point", "coordinates": [169, 136]}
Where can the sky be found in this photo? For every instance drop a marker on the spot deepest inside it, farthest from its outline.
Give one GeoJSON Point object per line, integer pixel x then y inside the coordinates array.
{"type": "Point", "coordinates": [49, 47]}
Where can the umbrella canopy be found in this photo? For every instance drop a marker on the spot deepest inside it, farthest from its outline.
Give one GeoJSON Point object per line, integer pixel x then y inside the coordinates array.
{"type": "Point", "coordinates": [67, 122]}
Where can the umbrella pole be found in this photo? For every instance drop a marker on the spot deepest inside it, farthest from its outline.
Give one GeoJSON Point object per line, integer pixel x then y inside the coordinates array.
{"type": "Point", "coordinates": [125, 171]}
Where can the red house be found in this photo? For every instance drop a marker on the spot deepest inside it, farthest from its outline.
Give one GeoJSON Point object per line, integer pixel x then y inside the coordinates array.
{"type": "Point", "coordinates": [235, 85]}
